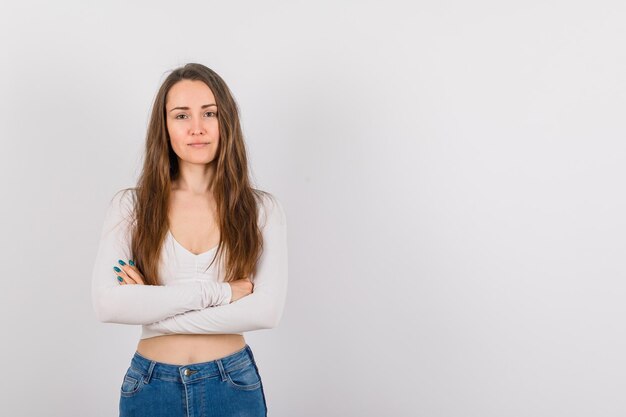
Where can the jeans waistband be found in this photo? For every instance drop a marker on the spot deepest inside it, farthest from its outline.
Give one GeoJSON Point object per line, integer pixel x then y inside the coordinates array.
{"type": "Point", "coordinates": [185, 373]}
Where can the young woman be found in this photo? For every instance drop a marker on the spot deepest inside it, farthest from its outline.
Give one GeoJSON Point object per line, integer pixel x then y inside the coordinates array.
{"type": "Point", "coordinates": [194, 255]}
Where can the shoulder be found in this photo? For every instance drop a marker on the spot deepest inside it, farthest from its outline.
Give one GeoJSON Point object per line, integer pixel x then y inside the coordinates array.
{"type": "Point", "coordinates": [271, 210]}
{"type": "Point", "coordinates": [123, 202]}
{"type": "Point", "coordinates": [120, 211]}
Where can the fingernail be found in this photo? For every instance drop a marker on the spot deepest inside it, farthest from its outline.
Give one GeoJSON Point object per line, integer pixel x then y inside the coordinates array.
{"type": "Point", "coordinates": [117, 269]}
{"type": "Point", "coordinates": [120, 279]}
{"type": "Point", "coordinates": [130, 261]}
{"type": "Point", "coordinates": [121, 262]}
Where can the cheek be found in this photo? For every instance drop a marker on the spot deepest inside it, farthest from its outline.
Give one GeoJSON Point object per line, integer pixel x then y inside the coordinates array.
{"type": "Point", "coordinates": [213, 128]}
{"type": "Point", "coordinates": [176, 136]}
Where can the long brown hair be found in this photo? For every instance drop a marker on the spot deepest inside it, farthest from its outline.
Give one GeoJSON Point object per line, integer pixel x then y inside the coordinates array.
{"type": "Point", "coordinates": [241, 241]}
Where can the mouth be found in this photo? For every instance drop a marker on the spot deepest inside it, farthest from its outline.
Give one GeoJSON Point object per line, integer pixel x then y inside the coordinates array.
{"type": "Point", "coordinates": [198, 144]}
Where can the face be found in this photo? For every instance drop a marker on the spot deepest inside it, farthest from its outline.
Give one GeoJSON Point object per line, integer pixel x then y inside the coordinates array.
{"type": "Point", "coordinates": [191, 117]}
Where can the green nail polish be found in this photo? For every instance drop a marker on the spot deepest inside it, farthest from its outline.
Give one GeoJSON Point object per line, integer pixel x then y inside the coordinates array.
{"type": "Point", "coordinates": [121, 262]}
{"type": "Point", "coordinates": [117, 269]}
{"type": "Point", "coordinates": [130, 261]}
{"type": "Point", "coordinates": [120, 279]}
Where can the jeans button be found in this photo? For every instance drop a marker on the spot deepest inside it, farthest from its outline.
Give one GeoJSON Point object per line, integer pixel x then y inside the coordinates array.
{"type": "Point", "coordinates": [187, 372]}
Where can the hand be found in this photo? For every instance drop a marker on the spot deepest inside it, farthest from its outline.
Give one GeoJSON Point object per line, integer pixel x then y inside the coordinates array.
{"type": "Point", "coordinates": [129, 273]}
{"type": "Point", "coordinates": [240, 288]}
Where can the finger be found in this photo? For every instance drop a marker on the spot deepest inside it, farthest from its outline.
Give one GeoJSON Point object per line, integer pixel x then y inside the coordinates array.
{"type": "Point", "coordinates": [120, 276]}
{"type": "Point", "coordinates": [133, 274]}
{"type": "Point", "coordinates": [129, 279]}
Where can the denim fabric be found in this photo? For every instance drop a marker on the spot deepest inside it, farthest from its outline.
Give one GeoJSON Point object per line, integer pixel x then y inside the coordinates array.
{"type": "Point", "coordinates": [229, 386]}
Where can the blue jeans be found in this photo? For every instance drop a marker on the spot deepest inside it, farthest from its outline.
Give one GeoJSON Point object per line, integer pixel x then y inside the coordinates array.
{"type": "Point", "coordinates": [229, 386]}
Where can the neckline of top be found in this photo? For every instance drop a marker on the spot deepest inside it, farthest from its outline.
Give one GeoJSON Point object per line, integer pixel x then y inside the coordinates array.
{"type": "Point", "coordinates": [177, 243]}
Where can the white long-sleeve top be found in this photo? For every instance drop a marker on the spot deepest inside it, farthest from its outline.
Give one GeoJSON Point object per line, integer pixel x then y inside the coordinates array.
{"type": "Point", "coordinates": [192, 299]}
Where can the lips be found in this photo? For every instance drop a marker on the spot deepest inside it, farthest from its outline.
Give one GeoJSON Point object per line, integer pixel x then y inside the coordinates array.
{"type": "Point", "coordinates": [198, 145]}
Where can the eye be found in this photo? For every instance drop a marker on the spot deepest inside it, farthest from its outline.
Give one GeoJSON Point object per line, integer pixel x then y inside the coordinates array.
{"type": "Point", "coordinates": [178, 116]}
{"type": "Point", "coordinates": [211, 112]}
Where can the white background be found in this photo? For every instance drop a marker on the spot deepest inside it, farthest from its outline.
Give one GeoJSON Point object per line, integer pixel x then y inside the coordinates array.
{"type": "Point", "coordinates": [452, 172]}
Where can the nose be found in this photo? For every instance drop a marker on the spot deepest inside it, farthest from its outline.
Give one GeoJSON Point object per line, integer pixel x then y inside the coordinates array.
{"type": "Point", "coordinates": [197, 128]}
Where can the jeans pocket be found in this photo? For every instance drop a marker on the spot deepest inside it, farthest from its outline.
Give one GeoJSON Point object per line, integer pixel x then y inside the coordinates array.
{"type": "Point", "coordinates": [244, 378]}
{"type": "Point", "coordinates": [132, 383]}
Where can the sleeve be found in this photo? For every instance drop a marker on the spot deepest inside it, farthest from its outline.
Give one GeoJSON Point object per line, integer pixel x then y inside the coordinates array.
{"type": "Point", "coordinates": [262, 309]}
{"type": "Point", "coordinates": [140, 304]}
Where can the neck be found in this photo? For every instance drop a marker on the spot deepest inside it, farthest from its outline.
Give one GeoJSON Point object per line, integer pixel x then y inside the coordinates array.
{"type": "Point", "coordinates": [194, 178]}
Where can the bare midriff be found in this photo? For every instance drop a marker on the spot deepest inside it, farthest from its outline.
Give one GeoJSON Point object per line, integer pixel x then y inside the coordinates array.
{"type": "Point", "coordinates": [185, 349]}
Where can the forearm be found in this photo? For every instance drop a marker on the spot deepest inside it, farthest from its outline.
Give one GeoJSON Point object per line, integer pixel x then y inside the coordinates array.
{"type": "Point", "coordinates": [259, 310]}
{"type": "Point", "coordinates": [144, 304]}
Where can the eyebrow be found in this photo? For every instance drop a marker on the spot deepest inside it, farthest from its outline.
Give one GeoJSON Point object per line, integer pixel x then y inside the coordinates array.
{"type": "Point", "coordinates": [204, 106]}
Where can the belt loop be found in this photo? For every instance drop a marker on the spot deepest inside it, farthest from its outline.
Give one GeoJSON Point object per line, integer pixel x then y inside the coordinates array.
{"type": "Point", "coordinates": [150, 369]}
{"type": "Point", "coordinates": [222, 372]}
{"type": "Point", "coordinates": [250, 353]}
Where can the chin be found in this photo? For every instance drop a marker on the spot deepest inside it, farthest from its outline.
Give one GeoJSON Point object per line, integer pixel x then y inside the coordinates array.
{"type": "Point", "coordinates": [200, 161]}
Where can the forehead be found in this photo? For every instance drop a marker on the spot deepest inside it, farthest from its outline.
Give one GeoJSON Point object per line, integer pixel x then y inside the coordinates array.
{"type": "Point", "coordinates": [189, 93]}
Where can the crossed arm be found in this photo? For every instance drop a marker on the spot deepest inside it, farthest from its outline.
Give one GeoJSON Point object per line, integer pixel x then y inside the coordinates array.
{"type": "Point", "coordinates": [196, 306]}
